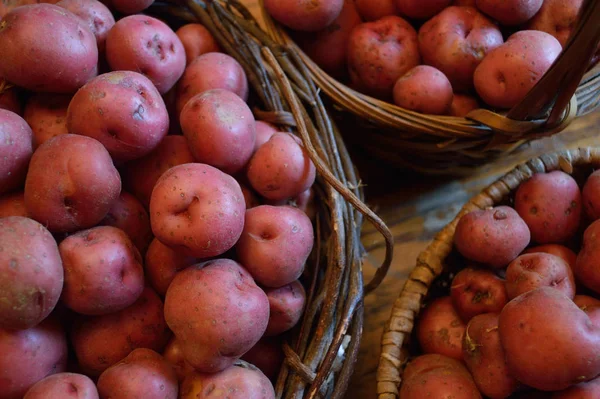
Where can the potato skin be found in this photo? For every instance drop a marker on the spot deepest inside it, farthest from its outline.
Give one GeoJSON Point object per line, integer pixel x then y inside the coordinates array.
{"type": "Point", "coordinates": [462, 104]}
{"type": "Point", "coordinates": [418, 9]}
{"type": "Point", "coordinates": [15, 150]}
{"type": "Point", "coordinates": [555, 249]}
{"type": "Point", "coordinates": [440, 329]}
{"type": "Point", "coordinates": [64, 60]}
{"type": "Point", "coordinates": [162, 264]}
{"type": "Point", "coordinates": [510, 12]}
{"type": "Point", "coordinates": [264, 131]}
{"type": "Point", "coordinates": [556, 17]}
{"type": "Point", "coordinates": [267, 355]}
{"type": "Point", "coordinates": [174, 356]}
{"type": "Point", "coordinates": [286, 305]}
{"type": "Point", "coordinates": [197, 209]}
{"type": "Point", "coordinates": [63, 386]}
{"type": "Point", "coordinates": [584, 390]}
{"type": "Point", "coordinates": [586, 268]}
{"type": "Point", "coordinates": [46, 114]}
{"type": "Point", "coordinates": [30, 355]}
{"type": "Point", "coordinates": [101, 341]}
{"type": "Point", "coordinates": [477, 291]}
{"type": "Point", "coordinates": [96, 15]}
{"type": "Point", "coordinates": [550, 204]}
{"type": "Point", "coordinates": [493, 237]}
{"type": "Point", "coordinates": [13, 205]}
{"type": "Point", "coordinates": [424, 89]}
{"type": "Point", "coordinates": [304, 15]}
{"type": "Point", "coordinates": [372, 10]}
{"type": "Point", "coordinates": [549, 350]}
{"type": "Point", "coordinates": [585, 302]}
{"type": "Point", "coordinates": [590, 195]}
{"type": "Point", "coordinates": [484, 357]}
{"type": "Point", "coordinates": [80, 191]}
{"type": "Point", "coordinates": [196, 40]}
{"type": "Point", "coordinates": [229, 316]}
{"type": "Point", "coordinates": [143, 374]}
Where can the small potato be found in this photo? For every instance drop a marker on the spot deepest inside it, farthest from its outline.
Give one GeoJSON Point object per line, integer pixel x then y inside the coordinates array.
{"type": "Point", "coordinates": [198, 210]}
{"type": "Point", "coordinates": [196, 40]}
{"type": "Point", "coordinates": [493, 236]}
{"type": "Point", "coordinates": [46, 114]}
{"type": "Point", "coordinates": [101, 341]}
{"type": "Point", "coordinates": [15, 150]}
{"type": "Point", "coordinates": [143, 374]}
{"type": "Point", "coordinates": [10, 99]}
{"type": "Point", "coordinates": [419, 9]}
{"type": "Point", "coordinates": [211, 71]}
{"type": "Point", "coordinates": [47, 48]}
{"type": "Point", "coordinates": [129, 215]}
{"type": "Point", "coordinates": [380, 52]}
{"type": "Point", "coordinates": [477, 291]}
{"type": "Point", "coordinates": [30, 355]}
{"type": "Point", "coordinates": [275, 244]}
{"type": "Point", "coordinates": [462, 104]}
{"type": "Point", "coordinates": [96, 16]}
{"type": "Point", "coordinates": [130, 6]}
{"type": "Point", "coordinates": [141, 175]}
{"type": "Point", "coordinates": [174, 356]}
{"type": "Point", "coordinates": [455, 41]}
{"type": "Point", "coordinates": [147, 45]}
{"type": "Point", "coordinates": [264, 131]}
{"type": "Point", "coordinates": [235, 382]}
{"type": "Point", "coordinates": [424, 89]}
{"type": "Point", "coordinates": [31, 270]}
{"type": "Point", "coordinates": [590, 195]}
{"type": "Point", "coordinates": [63, 386]}
{"type": "Point", "coordinates": [555, 249]}
{"type": "Point", "coordinates": [550, 204]}
{"type": "Point", "coordinates": [305, 201]}
{"type": "Point", "coordinates": [304, 15]}
{"type": "Point", "coordinates": [281, 168]}
{"type": "Point", "coordinates": [81, 188]}
{"type": "Point", "coordinates": [286, 306]}
{"type": "Point", "coordinates": [586, 268]}
{"type": "Point", "coordinates": [267, 355]}
{"type": "Point", "coordinates": [229, 313]}
{"type": "Point", "coordinates": [162, 263]}
{"type": "Point", "coordinates": [556, 17]}
{"type": "Point", "coordinates": [440, 329]}
{"type": "Point", "coordinates": [535, 270]}
{"type": "Point", "coordinates": [584, 390]}
{"type": "Point", "coordinates": [510, 12]}
{"type": "Point", "coordinates": [250, 197]}
{"type": "Point", "coordinates": [220, 130]}
{"type": "Point", "coordinates": [13, 205]}
{"type": "Point", "coordinates": [509, 71]}
{"type": "Point", "coordinates": [372, 10]}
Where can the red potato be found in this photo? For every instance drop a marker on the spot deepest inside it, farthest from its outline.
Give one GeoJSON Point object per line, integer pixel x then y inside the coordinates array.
{"type": "Point", "coordinates": [9, 95]}
{"type": "Point", "coordinates": [380, 52]}
{"type": "Point", "coordinates": [275, 244]}
{"type": "Point", "coordinates": [510, 12]}
{"type": "Point", "coordinates": [229, 314]}
{"type": "Point", "coordinates": [484, 357]}
{"type": "Point", "coordinates": [129, 215]}
{"type": "Point", "coordinates": [123, 110]}
{"type": "Point", "coordinates": [80, 190]}
{"type": "Point", "coordinates": [267, 355]}
{"type": "Point", "coordinates": [264, 131]}
{"type": "Point", "coordinates": [197, 209]}
{"type": "Point", "coordinates": [372, 10]}
{"type": "Point", "coordinates": [464, 3]}
{"type": "Point", "coordinates": [130, 6]}
{"type": "Point", "coordinates": [556, 17]}
{"type": "Point", "coordinates": [30, 355]}
{"type": "Point", "coordinates": [304, 15]}
{"type": "Point", "coordinates": [327, 47]}
{"type": "Point", "coordinates": [550, 204]}
{"type": "Point", "coordinates": [162, 264]}
{"type": "Point", "coordinates": [143, 374]}
{"type": "Point", "coordinates": [174, 356]}
{"type": "Point", "coordinates": [586, 268]}
{"type": "Point", "coordinates": [555, 249]}
{"type": "Point", "coordinates": [305, 201]}
{"type": "Point", "coordinates": [281, 168]}
{"type": "Point", "coordinates": [95, 15]}
{"type": "Point", "coordinates": [585, 302]}
{"type": "Point", "coordinates": [64, 60]}
{"type": "Point", "coordinates": [462, 104]}
{"type": "Point", "coordinates": [419, 9]}
{"type": "Point", "coordinates": [493, 236]}
{"type": "Point", "coordinates": [584, 390]}
{"type": "Point", "coordinates": [236, 382]}
{"type": "Point", "coordinates": [508, 72]}
{"type": "Point", "coordinates": [549, 342]}
{"type": "Point", "coordinates": [147, 45]}
{"type": "Point", "coordinates": [13, 205]}
{"type": "Point", "coordinates": [31, 273]}
{"type": "Point", "coordinates": [531, 271]}
{"type": "Point", "coordinates": [103, 271]}
{"type": "Point", "coordinates": [219, 127]}
{"type": "Point", "coordinates": [196, 40]}
{"type": "Point", "coordinates": [63, 386]}
{"type": "Point", "coordinates": [141, 175]}
{"type": "Point", "coordinates": [46, 114]}
{"type": "Point", "coordinates": [101, 341]}
{"type": "Point", "coordinates": [15, 150]}
{"type": "Point", "coordinates": [424, 89]}
{"type": "Point", "coordinates": [456, 41]}
{"type": "Point", "coordinates": [211, 71]}
{"type": "Point", "coordinates": [440, 329]}
{"type": "Point", "coordinates": [250, 197]}
{"type": "Point", "coordinates": [477, 291]}
{"type": "Point", "coordinates": [286, 305]}
{"type": "Point", "coordinates": [590, 195]}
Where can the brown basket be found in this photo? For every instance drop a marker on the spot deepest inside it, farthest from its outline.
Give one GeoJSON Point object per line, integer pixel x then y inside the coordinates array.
{"type": "Point", "coordinates": [452, 145]}
{"type": "Point", "coordinates": [433, 271]}
{"type": "Point", "coordinates": [320, 353]}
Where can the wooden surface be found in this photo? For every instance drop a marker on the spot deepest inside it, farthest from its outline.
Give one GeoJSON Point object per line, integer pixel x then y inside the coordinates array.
{"type": "Point", "coordinates": [417, 207]}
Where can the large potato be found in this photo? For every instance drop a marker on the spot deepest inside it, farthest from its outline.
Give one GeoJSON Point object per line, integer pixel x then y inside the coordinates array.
{"type": "Point", "coordinates": [586, 268]}
{"type": "Point", "coordinates": [556, 17]}
{"type": "Point", "coordinates": [286, 305]}
{"type": "Point", "coordinates": [46, 114]}
{"type": "Point", "coordinates": [424, 89]}
{"type": "Point", "coordinates": [530, 271]}
{"type": "Point", "coordinates": [13, 205]}
{"type": "Point", "coordinates": [196, 40]}
{"type": "Point", "coordinates": [63, 386]}
{"type": "Point", "coordinates": [477, 291]}
{"type": "Point", "coordinates": [123, 110]}
{"type": "Point", "coordinates": [549, 342]}
{"type": "Point", "coordinates": [162, 264]}
{"type": "Point", "coordinates": [71, 184]}
{"type": "Point", "coordinates": [96, 15]}
{"type": "Point", "coordinates": [510, 12]}
{"type": "Point", "coordinates": [197, 209]}
{"type": "Point", "coordinates": [304, 15]}
{"type": "Point", "coordinates": [421, 9]}
{"type": "Point", "coordinates": [440, 329]}
{"type": "Point", "coordinates": [30, 355]}
{"type": "Point", "coordinates": [217, 312]}
{"type": "Point", "coordinates": [15, 150]}
{"type": "Point", "coordinates": [46, 48]}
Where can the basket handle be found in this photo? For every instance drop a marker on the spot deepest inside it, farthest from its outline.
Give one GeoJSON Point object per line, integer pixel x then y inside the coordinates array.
{"type": "Point", "coordinates": [559, 83]}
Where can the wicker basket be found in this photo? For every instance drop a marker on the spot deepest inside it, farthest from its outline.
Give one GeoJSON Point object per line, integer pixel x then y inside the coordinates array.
{"type": "Point", "coordinates": [434, 268]}
{"type": "Point", "coordinates": [320, 353]}
{"type": "Point", "coordinates": [452, 145]}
